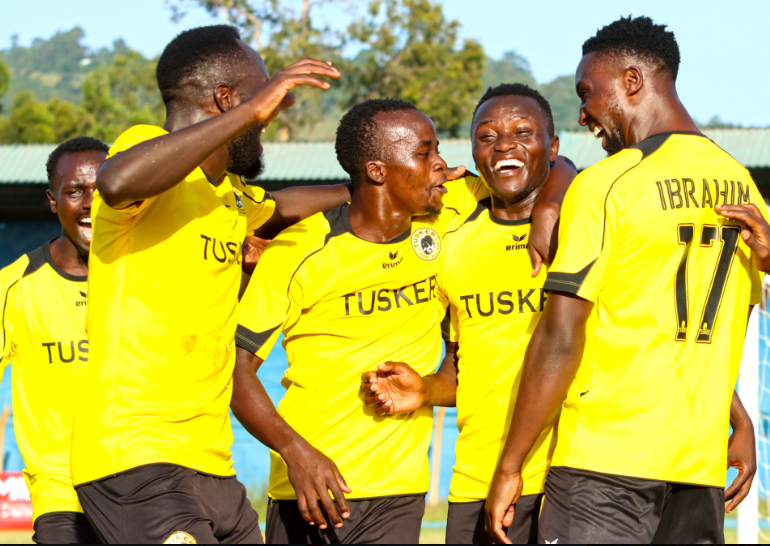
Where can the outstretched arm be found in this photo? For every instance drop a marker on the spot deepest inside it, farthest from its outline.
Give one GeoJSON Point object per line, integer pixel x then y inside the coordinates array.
{"type": "Point", "coordinates": [154, 166]}
{"type": "Point", "coordinates": [312, 474]}
{"type": "Point", "coordinates": [550, 365]}
{"type": "Point", "coordinates": [396, 388]}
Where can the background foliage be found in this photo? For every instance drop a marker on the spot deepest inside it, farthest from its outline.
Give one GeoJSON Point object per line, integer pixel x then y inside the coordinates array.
{"type": "Point", "coordinates": [57, 88]}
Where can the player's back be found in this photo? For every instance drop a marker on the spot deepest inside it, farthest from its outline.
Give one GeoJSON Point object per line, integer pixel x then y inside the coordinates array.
{"type": "Point", "coordinates": [672, 282]}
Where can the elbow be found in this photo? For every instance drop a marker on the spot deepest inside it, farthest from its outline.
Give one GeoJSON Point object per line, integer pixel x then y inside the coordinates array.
{"type": "Point", "coordinates": [111, 189]}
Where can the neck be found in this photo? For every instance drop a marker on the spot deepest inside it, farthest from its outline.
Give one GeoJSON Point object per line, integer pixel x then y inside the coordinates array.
{"type": "Point", "coordinates": [178, 117]}
{"type": "Point", "coordinates": [68, 256]}
{"type": "Point", "coordinates": [507, 209]}
{"type": "Point", "coordinates": [662, 115]}
{"type": "Point", "coordinates": [375, 217]}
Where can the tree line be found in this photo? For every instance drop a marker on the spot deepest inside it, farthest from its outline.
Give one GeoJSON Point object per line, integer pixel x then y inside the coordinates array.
{"type": "Point", "coordinates": [58, 88]}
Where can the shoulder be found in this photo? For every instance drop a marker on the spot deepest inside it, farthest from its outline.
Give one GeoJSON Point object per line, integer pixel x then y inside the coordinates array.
{"type": "Point", "coordinates": [463, 193]}
{"type": "Point", "coordinates": [308, 236]}
{"type": "Point", "coordinates": [24, 266]}
{"type": "Point", "coordinates": [133, 136]}
{"type": "Point", "coordinates": [595, 183]}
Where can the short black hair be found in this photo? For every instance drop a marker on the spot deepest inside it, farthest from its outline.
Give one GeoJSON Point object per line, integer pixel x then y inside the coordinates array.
{"type": "Point", "coordinates": [639, 37]}
{"type": "Point", "coordinates": [72, 146]}
{"type": "Point", "coordinates": [195, 58]}
{"type": "Point", "coordinates": [358, 135]}
{"type": "Point", "coordinates": [518, 90]}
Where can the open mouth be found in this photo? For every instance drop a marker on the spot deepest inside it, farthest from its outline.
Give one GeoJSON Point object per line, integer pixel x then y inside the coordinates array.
{"type": "Point", "coordinates": [598, 131]}
{"type": "Point", "coordinates": [508, 167]}
{"type": "Point", "coordinates": [84, 225]}
{"type": "Point", "coordinates": [440, 188]}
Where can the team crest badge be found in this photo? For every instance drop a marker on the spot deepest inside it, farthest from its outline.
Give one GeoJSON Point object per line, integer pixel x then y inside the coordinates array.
{"type": "Point", "coordinates": [426, 243]}
{"type": "Point", "coordinates": [239, 202]}
{"type": "Point", "coordinates": [180, 537]}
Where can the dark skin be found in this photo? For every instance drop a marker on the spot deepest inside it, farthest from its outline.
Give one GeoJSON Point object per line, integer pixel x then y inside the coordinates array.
{"type": "Point", "coordinates": [628, 101]}
{"type": "Point", "coordinates": [70, 197]}
{"type": "Point", "coordinates": [505, 129]}
{"type": "Point", "coordinates": [390, 194]}
{"type": "Point", "coordinates": [200, 131]}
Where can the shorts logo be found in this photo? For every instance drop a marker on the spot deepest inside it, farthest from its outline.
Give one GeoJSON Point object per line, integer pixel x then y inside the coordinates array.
{"type": "Point", "coordinates": [180, 537]}
{"type": "Point", "coordinates": [426, 243]}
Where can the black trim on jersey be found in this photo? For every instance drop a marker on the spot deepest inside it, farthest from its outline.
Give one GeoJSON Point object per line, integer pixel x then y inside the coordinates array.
{"type": "Point", "coordinates": [486, 204]}
{"type": "Point", "coordinates": [567, 282]}
{"type": "Point", "coordinates": [652, 143]}
{"type": "Point", "coordinates": [339, 222]}
{"type": "Point", "coordinates": [446, 327]}
{"type": "Point", "coordinates": [211, 180]}
{"type": "Point", "coordinates": [37, 259]}
{"type": "Point", "coordinates": [46, 248]}
{"type": "Point", "coordinates": [252, 341]}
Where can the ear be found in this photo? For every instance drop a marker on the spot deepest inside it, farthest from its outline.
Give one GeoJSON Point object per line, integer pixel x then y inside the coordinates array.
{"type": "Point", "coordinates": [554, 148]}
{"type": "Point", "coordinates": [376, 171]}
{"type": "Point", "coordinates": [224, 97]}
{"type": "Point", "coordinates": [51, 201]}
{"type": "Point", "coordinates": [633, 80]}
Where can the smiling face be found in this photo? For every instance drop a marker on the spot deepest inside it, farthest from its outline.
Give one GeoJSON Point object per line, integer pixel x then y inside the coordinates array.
{"type": "Point", "coordinates": [511, 147]}
{"type": "Point", "coordinates": [599, 84]}
{"type": "Point", "coordinates": [414, 171]}
{"type": "Point", "coordinates": [73, 184]}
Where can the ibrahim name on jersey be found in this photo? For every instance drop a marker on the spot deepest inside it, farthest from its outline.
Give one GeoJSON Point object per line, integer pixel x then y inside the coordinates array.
{"type": "Point", "coordinates": [672, 282]}
{"type": "Point", "coordinates": [346, 305]}
{"type": "Point", "coordinates": [494, 306]}
{"type": "Point", "coordinates": [164, 278]}
{"type": "Point", "coordinates": [43, 334]}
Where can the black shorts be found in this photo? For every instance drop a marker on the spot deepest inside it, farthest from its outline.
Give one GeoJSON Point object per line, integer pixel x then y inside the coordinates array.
{"type": "Point", "coordinates": [165, 502]}
{"type": "Point", "coordinates": [64, 528]}
{"type": "Point", "coordinates": [383, 520]}
{"type": "Point", "coordinates": [590, 507]}
{"type": "Point", "coordinates": [465, 522]}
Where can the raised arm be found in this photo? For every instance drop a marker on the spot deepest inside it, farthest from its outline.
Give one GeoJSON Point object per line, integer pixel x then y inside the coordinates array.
{"type": "Point", "coordinates": [293, 205]}
{"type": "Point", "coordinates": [396, 388]}
{"type": "Point", "coordinates": [550, 365]}
{"type": "Point", "coordinates": [154, 166]}
{"type": "Point", "coordinates": [312, 474]}
{"type": "Point", "coordinates": [545, 214]}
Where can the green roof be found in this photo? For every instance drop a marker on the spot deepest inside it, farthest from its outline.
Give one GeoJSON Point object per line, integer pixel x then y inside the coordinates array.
{"type": "Point", "coordinates": [317, 160]}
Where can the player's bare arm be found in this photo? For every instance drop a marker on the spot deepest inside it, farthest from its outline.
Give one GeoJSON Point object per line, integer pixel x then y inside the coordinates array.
{"type": "Point", "coordinates": [152, 167]}
{"type": "Point", "coordinates": [550, 364]}
{"type": "Point", "coordinates": [741, 454]}
{"type": "Point", "coordinates": [311, 473]}
{"type": "Point", "coordinates": [545, 214]}
{"type": "Point", "coordinates": [396, 388]}
{"type": "Point", "coordinates": [756, 234]}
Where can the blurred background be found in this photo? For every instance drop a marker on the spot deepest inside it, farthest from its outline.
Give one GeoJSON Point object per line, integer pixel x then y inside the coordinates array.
{"type": "Point", "coordinates": [77, 67]}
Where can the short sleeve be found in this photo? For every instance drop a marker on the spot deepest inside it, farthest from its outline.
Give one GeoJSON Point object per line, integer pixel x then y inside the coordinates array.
{"type": "Point", "coordinates": [260, 207]}
{"type": "Point", "coordinates": [8, 278]}
{"type": "Point", "coordinates": [587, 229]}
{"type": "Point", "coordinates": [274, 292]}
{"type": "Point", "coordinates": [128, 139]}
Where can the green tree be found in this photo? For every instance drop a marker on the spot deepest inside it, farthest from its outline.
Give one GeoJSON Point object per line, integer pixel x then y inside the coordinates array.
{"type": "Point", "coordinates": [512, 68]}
{"type": "Point", "coordinates": [29, 122]}
{"type": "Point", "coordinates": [412, 54]}
{"type": "Point", "coordinates": [565, 103]}
{"type": "Point", "coordinates": [69, 120]}
{"type": "Point", "coordinates": [5, 80]}
{"type": "Point", "coordinates": [121, 94]}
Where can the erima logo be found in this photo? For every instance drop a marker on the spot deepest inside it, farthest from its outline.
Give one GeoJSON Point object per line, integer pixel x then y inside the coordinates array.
{"type": "Point", "coordinates": [519, 243]}
{"type": "Point", "coordinates": [393, 256]}
{"type": "Point", "coordinates": [84, 302]}
{"type": "Point", "coordinates": [554, 542]}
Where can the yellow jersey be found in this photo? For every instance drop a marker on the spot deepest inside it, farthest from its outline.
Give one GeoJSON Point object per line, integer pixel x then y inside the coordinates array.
{"type": "Point", "coordinates": [672, 282]}
{"type": "Point", "coordinates": [344, 306]}
{"type": "Point", "coordinates": [494, 306]}
{"type": "Point", "coordinates": [163, 284]}
{"type": "Point", "coordinates": [43, 334]}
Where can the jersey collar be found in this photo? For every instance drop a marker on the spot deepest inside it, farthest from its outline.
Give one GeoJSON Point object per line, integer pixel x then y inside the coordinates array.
{"type": "Point", "coordinates": [63, 274]}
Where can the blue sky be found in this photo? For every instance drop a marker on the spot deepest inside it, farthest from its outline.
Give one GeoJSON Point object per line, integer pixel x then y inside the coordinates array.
{"type": "Point", "coordinates": [724, 45]}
